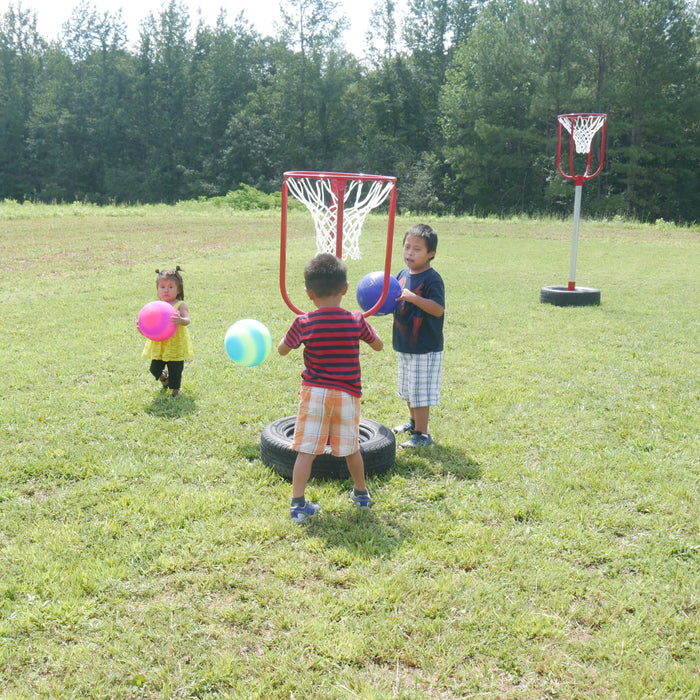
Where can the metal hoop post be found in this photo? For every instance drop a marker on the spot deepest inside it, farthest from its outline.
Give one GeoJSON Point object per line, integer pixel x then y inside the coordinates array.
{"type": "Point", "coordinates": [338, 189]}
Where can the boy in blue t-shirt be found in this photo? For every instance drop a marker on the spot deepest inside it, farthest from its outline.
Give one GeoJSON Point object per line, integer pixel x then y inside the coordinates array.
{"type": "Point", "coordinates": [418, 333]}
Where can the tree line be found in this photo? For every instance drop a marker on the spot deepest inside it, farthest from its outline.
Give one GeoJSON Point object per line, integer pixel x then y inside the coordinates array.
{"type": "Point", "coordinates": [456, 98]}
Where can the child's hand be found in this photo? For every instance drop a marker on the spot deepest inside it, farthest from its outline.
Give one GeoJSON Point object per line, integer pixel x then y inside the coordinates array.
{"type": "Point", "coordinates": [181, 317]}
{"type": "Point", "coordinates": [428, 305]}
{"type": "Point", "coordinates": [406, 295]}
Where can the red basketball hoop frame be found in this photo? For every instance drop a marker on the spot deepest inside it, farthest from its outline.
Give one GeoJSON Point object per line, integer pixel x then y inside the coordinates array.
{"type": "Point", "coordinates": [582, 128]}
{"type": "Point", "coordinates": [339, 204]}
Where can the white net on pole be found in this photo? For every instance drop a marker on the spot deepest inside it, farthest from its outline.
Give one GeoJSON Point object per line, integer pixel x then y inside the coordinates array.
{"type": "Point", "coordinates": [359, 199]}
{"type": "Point", "coordinates": [585, 127]}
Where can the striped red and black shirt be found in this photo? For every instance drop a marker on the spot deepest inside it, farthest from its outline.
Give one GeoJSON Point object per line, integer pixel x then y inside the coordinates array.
{"type": "Point", "coordinates": [331, 337]}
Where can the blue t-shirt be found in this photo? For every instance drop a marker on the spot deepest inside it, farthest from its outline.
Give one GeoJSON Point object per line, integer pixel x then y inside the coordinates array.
{"type": "Point", "coordinates": [416, 332]}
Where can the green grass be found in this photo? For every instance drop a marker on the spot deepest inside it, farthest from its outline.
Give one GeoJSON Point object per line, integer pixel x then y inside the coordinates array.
{"type": "Point", "coordinates": [548, 547]}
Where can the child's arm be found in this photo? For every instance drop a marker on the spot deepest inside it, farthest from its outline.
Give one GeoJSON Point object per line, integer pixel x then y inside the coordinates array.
{"type": "Point", "coordinates": [182, 317]}
{"type": "Point", "coordinates": [428, 305]}
{"type": "Point", "coordinates": [377, 343]}
{"type": "Point", "coordinates": [284, 348]}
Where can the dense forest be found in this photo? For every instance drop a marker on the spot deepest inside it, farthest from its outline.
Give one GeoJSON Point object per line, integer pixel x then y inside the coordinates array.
{"type": "Point", "coordinates": [456, 98]}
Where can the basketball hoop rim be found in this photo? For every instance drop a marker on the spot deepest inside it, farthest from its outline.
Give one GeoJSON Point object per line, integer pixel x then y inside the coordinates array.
{"type": "Point", "coordinates": [582, 114]}
{"type": "Point", "coordinates": [324, 174]}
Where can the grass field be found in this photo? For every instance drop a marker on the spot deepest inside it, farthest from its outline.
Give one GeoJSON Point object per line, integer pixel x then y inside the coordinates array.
{"type": "Point", "coordinates": [547, 547]}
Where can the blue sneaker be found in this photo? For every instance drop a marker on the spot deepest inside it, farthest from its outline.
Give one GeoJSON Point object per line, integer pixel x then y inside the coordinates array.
{"type": "Point", "coordinates": [363, 500]}
{"type": "Point", "coordinates": [417, 440]}
{"type": "Point", "coordinates": [300, 514]}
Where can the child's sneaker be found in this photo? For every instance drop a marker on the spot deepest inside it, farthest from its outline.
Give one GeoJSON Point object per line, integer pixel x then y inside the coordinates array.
{"type": "Point", "coordinates": [409, 427]}
{"type": "Point", "coordinates": [363, 500]}
{"type": "Point", "coordinates": [417, 440]}
{"type": "Point", "coordinates": [300, 514]}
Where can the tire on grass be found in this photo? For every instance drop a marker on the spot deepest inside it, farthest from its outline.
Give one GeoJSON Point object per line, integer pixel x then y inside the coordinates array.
{"type": "Point", "coordinates": [377, 445]}
{"type": "Point", "coordinates": [563, 296]}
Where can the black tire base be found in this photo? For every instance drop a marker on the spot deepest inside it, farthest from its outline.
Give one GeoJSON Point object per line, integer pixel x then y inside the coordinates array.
{"type": "Point", "coordinates": [377, 445]}
{"type": "Point", "coordinates": [563, 296]}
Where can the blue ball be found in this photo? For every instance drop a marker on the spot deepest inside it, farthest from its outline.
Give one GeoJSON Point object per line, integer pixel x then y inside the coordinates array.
{"type": "Point", "coordinates": [248, 342]}
{"type": "Point", "coordinates": [370, 289]}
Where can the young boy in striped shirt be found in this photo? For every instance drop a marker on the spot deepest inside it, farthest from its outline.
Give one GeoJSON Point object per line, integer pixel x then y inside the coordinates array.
{"type": "Point", "coordinates": [329, 399]}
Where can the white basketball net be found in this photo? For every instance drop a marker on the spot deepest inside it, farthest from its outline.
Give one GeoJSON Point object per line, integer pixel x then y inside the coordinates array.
{"type": "Point", "coordinates": [585, 127]}
{"type": "Point", "coordinates": [321, 201]}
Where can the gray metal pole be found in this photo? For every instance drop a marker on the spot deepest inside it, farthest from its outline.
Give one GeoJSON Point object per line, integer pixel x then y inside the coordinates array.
{"type": "Point", "coordinates": [574, 239]}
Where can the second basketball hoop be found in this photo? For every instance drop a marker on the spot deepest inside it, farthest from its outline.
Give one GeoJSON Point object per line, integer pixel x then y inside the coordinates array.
{"type": "Point", "coordinates": [582, 129]}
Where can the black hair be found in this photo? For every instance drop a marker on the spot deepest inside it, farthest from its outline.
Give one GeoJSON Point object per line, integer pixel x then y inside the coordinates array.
{"type": "Point", "coordinates": [325, 275]}
{"type": "Point", "coordinates": [173, 275]}
{"type": "Point", "coordinates": [426, 232]}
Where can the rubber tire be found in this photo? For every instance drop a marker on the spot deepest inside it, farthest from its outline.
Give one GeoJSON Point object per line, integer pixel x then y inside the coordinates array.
{"type": "Point", "coordinates": [377, 445]}
{"type": "Point", "coordinates": [563, 296]}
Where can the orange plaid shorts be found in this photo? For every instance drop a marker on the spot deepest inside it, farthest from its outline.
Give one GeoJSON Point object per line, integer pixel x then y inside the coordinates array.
{"type": "Point", "coordinates": [323, 413]}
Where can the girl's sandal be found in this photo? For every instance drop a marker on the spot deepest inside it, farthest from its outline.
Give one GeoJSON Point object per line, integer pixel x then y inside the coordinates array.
{"type": "Point", "coordinates": [164, 378]}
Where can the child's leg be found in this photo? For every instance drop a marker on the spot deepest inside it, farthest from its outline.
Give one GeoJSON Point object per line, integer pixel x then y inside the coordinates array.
{"type": "Point", "coordinates": [421, 415]}
{"type": "Point", "coordinates": [310, 434]}
{"type": "Point", "coordinates": [345, 435]}
{"type": "Point", "coordinates": [360, 494]}
{"type": "Point", "coordinates": [405, 379]}
{"type": "Point", "coordinates": [425, 376]}
{"type": "Point", "coordinates": [301, 473]}
{"type": "Point", "coordinates": [175, 369]}
{"type": "Point", "coordinates": [356, 467]}
{"type": "Point", "coordinates": [156, 368]}
{"type": "Point", "coordinates": [301, 509]}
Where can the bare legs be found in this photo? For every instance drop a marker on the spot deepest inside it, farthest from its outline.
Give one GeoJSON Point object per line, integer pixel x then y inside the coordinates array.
{"type": "Point", "coordinates": [302, 472]}
{"type": "Point", "coordinates": [420, 416]}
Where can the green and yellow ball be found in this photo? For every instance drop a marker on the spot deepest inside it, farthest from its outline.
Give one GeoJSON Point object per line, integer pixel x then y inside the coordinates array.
{"type": "Point", "coordinates": [248, 342]}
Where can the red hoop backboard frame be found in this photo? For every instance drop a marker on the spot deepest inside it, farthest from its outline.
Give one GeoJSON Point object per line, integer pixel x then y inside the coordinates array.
{"type": "Point", "coordinates": [572, 120]}
{"type": "Point", "coordinates": [338, 183]}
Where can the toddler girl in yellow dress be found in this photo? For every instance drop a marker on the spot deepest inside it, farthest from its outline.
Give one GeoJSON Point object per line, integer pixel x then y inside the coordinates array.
{"type": "Point", "coordinates": [168, 356]}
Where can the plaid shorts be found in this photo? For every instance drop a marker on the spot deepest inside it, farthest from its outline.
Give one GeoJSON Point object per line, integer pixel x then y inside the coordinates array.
{"type": "Point", "coordinates": [323, 412]}
{"type": "Point", "coordinates": [420, 377]}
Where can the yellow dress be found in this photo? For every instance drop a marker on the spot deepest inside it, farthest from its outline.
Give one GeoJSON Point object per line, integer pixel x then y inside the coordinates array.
{"type": "Point", "coordinates": [177, 347]}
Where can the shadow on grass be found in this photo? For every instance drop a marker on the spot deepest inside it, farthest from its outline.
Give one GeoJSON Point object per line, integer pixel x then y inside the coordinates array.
{"type": "Point", "coordinates": [368, 534]}
{"type": "Point", "coordinates": [361, 533]}
{"type": "Point", "coordinates": [438, 460]}
{"type": "Point", "coordinates": [249, 451]}
{"type": "Point", "coordinates": [364, 533]}
{"type": "Point", "coordinates": [166, 406]}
